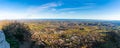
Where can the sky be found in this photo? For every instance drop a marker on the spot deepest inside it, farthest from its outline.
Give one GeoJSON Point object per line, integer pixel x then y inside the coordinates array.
{"type": "Point", "coordinates": [60, 9]}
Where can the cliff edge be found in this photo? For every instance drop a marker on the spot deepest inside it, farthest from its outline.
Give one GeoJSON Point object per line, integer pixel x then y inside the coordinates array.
{"type": "Point", "coordinates": [3, 42]}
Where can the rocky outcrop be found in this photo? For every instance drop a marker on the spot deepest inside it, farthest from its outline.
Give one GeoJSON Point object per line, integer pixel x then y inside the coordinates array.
{"type": "Point", "coordinates": [3, 42]}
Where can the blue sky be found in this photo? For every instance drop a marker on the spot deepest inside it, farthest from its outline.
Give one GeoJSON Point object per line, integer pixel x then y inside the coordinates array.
{"type": "Point", "coordinates": [60, 9]}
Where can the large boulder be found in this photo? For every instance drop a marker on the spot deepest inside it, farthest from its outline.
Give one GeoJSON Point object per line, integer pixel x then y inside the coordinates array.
{"type": "Point", "coordinates": [3, 42]}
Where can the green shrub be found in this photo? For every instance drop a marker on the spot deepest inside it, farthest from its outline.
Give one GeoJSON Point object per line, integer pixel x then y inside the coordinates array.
{"type": "Point", "coordinates": [16, 33]}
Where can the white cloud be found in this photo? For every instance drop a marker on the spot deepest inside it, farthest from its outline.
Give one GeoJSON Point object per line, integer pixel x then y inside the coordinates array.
{"type": "Point", "coordinates": [12, 15]}
{"type": "Point", "coordinates": [44, 7]}
{"type": "Point", "coordinates": [31, 12]}
{"type": "Point", "coordinates": [77, 8]}
{"type": "Point", "coordinates": [89, 5]}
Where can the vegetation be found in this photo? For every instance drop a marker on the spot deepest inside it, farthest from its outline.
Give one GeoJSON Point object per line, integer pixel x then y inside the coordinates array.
{"type": "Point", "coordinates": [62, 34]}
{"type": "Point", "coordinates": [16, 33]}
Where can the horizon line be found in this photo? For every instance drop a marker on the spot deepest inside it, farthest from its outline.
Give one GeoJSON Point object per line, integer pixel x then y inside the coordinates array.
{"type": "Point", "coordinates": [60, 19]}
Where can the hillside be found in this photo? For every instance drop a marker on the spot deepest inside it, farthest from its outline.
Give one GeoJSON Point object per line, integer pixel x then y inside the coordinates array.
{"type": "Point", "coordinates": [62, 34]}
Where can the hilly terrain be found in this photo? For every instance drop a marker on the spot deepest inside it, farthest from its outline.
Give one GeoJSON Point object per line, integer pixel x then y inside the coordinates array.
{"type": "Point", "coordinates": [62, 33]}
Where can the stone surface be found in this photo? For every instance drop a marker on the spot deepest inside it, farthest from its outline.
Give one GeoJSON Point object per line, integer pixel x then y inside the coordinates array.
{"type": "Point", "coordinates": [3, 42]}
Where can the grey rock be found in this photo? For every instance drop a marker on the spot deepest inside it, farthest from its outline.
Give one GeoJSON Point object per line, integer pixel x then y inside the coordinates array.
{"type": "Point", "coordinates": [3, 42]}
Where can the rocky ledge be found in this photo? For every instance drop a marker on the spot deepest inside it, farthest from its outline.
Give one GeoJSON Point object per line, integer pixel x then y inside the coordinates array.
{"type": "Point", "coordinates": [3, 42]}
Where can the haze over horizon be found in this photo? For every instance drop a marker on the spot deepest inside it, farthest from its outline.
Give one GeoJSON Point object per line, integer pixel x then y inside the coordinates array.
{"type": "Point", "coordinates": [60, 9]}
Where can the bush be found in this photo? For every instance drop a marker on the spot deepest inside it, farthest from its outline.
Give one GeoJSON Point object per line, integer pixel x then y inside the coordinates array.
{"type": "Point", "coordinates": [17, 32]}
